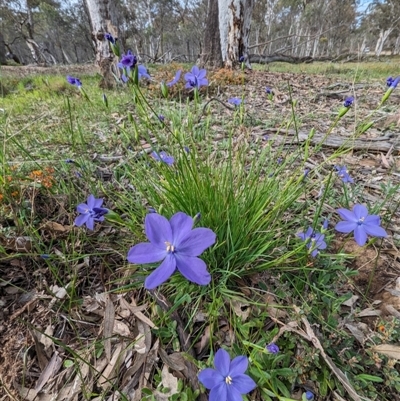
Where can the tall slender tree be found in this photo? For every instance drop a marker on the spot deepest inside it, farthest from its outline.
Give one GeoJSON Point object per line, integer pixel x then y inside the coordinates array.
{"type": "Point", "coordinates": [103, 19]}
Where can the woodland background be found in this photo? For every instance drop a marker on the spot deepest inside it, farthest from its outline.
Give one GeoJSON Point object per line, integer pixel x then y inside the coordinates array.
{"type": "Point", "coordinates": [58, 32]}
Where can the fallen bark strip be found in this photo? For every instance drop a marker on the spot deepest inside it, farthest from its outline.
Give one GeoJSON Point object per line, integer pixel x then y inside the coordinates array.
{"type": "Point", "coordinates": [381, 144]}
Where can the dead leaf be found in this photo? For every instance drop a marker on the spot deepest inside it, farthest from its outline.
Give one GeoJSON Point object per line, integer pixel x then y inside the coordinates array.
{"type": "Point", "coordinates": [392, 351]}
{"type": "Point", "coordinates": [241, 309]}
{"type": "Point", "coordinates": [121, 328]}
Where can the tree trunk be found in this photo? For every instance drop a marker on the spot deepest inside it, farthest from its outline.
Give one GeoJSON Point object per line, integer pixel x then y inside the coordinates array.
{"type": "Point", "coordinates": [211, 54]}
{"type": "Point", "coordinates": [234, 29]}
{"type": "Point", "coordinates": [383, 35]}
{"type": "Point", "coordinates": [2, 50]}
{"type": "Point", "coordinates": [103, 19]}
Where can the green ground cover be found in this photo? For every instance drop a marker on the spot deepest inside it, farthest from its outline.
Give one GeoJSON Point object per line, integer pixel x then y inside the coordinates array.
{"type": "Point", "coordinates": [280, 272]}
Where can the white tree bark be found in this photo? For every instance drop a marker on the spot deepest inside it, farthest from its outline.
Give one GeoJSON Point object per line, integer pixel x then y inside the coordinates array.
{"type": "Point", "coordinates": [383, 35]}
{"type": "Point", "coordinates": [234, 28]}
{"type": "Point", "coordinates": [103, 19]}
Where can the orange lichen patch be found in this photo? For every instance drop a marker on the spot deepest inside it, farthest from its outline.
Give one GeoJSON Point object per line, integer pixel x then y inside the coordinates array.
{"type": "Point", "coordinates": [44, 177]}
{"type": "Point", "coordinates": [35, 174]}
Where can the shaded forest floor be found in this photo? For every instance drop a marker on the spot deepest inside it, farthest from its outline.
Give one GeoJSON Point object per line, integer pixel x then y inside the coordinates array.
{"type": "Point", "coordinates": [75, 321]}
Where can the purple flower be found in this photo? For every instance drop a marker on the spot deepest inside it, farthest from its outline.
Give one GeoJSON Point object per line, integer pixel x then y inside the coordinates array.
{"type": "Point", "coordinates": [325, 225]}
{"type": "Point", "coordinates": [177, 245]}
{"type": "Point", "coordinates": [309, 395]}
{"type": "Point", "coordinates": [272, 348]}
{"type": "Point", "coordinates": [128, 61]}
{"type": "Point", "coordinates": [344, 174]}
{"type": "Point", "coordinates": [161, 118]}
{"type": "Point", "coordinates": [241, 59]}
{"type": "Point", "coordinates": [389, 81]}
{"type": "Point", "coordinates": [74, 81]}
{"type": "Point", "coordinates": [227, 381]}
{"type": "Point", "coordinates": [235, 100]}
{"type": "Point", "coordinates": [110, 38]}
{"type": "Point", "coordinates": [348, 101]}
{"type": "Point", "coordinates": [90, 212]}
{"type": "Point", "coordinates": [142, 71]}
{"type": "Point", "coordinates": [395, 82]}
{"type": "Point", "coordinates": [163, 157]}
{"type": "Point", "coordinates": [268, 90]}
{"type": "Point", "coordinates": [361, 223]}
{"type": "Point", "coordinates": [176, 78]}
{"type": "Point", "coordinates": [314, 241]}
{"type": "Point", "coordinates": [196, 78]}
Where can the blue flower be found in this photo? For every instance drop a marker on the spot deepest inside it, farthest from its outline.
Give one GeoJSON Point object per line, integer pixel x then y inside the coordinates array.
{"type": "Point", "coordinates": [235, 100]}
{"type": "Point", "coordinates": [241, 59]}
{"type": "Point", "coordinates": [163, 157]}
{"type": "Point", "coordinates": [196, 78]}
{"type": "Point", "coordinates": [110, 38]}
{"type": "Point", "coordinates": [227, 381]}
{"type": "Point", "coordinates": [272, 348]}
{"type": "Point", "coordinates": [177, 245]}
{"type": "Point", "coordinates": [389, 81]}
{"type": "Point", "coordinates": [361, 223]}
{"type": "Point", "coordinates": [268, 90]}
{"type": "Point", "coordinates": [161, 118]}
{"type": "Point", "coordinates": [74, 81]}
{"type": "Point", "coordinates": [128, 61]}
{"type": "Point", "coordinates": [90, 212]}
{"type": "Point", "coordinates": [142, 71]}
{"type": "Point", "coordinates": [395, 82]}
{"type": "Point", "coordinates": [176, 78]}
{"type": "Point", "coordinates": [348, 101]}
{"type": "Point", "coordinates": [344, 174]}
{"type": "Point", "coordinates": [314, 241]}
{"type": "Point", "coordinates": [309, 395]}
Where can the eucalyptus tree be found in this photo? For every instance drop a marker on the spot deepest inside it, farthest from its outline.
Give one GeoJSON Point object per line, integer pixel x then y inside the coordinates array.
{"type": "Point", "coordinates": [234, 19]}
{"type": "Point", "coordinates": [103, 19]}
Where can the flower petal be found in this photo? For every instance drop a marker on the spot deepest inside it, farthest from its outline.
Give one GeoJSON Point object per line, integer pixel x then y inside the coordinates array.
{"type": "Point", "coordinates": [360, 211]}
{"type": "Point", "coordinates": [197, 242]}
{"type": "Point", "coordinates": [374, 230]}
{"type": "Point", "coordinates": [81, 219]}
{"type": "Point", "coordinates": [192, 268]}
{"type": "Point", "coordinates": [360, 235]}
{"type": "Point", "coordinates": [98, 202]}
{"type": "Point", "coordinates": [233, 393]}
{"type": "Point", "coordinates": [162, 273]}
{"type": "Point", "coordinates": [158, 230]}
{"type": "Point", "coordinates": [210, 378]}
{"type": "Point", "coordinates": [238, 366]}
{"type": "Point", "coordinates": [346, 226]}
{"type": "Point", "coordinates": [181, 225]}
{"type": "Point", "coordinates": [203, 82]}
{"type": "Point", "coordinates": [146, 252]}
{"type": "Point", "coordinates": [91, 201]}
{"type": "Point", "coordinates": [347, 215]}
{"type": "Point", "coordinates": [222, 362]}
{"type": "Point", "coordinates": [243, 383]}
{"type": "Point", "coordinates": [201, 74]}
{"type": "Point", "coordinates": [189, 76]}
{"type": "Point", "coordinates": [373, 219]}
{"type": "Point", "coordinates": [90, 223]}
{"type": "Point", "coordinates": [82, 208]}
{"type": "Point", "coordinates": [195, 71]}
{"type": "Point", "coordinates": [219, 392]}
